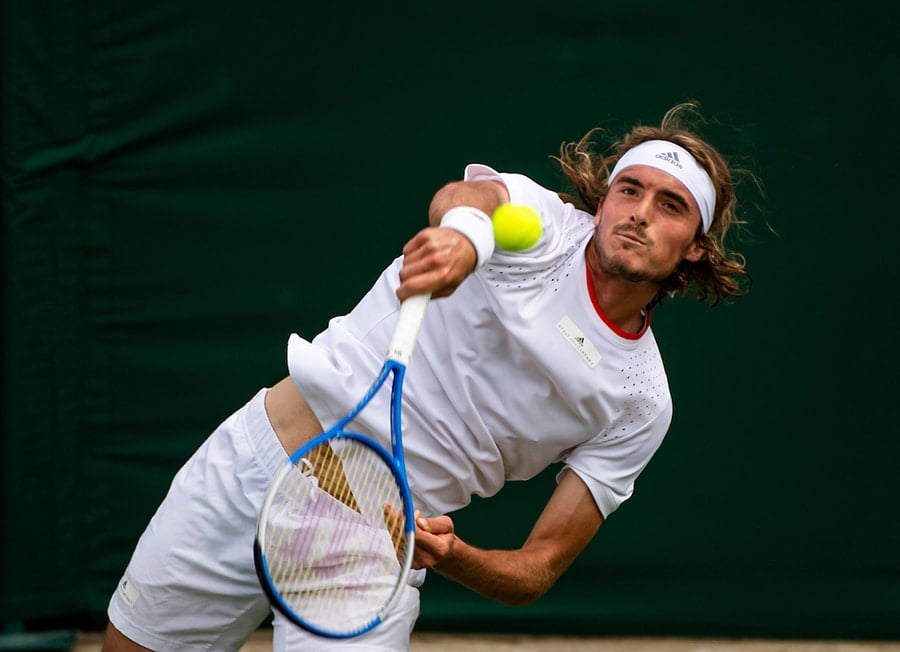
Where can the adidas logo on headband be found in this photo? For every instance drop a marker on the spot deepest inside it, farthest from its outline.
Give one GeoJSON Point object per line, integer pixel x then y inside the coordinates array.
{"type": "Point", "coordinates": [670, 157]}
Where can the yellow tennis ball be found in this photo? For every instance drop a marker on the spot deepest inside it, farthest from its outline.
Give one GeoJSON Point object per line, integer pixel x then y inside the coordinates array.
{"type": "Point", "coordinates": [516, 227]}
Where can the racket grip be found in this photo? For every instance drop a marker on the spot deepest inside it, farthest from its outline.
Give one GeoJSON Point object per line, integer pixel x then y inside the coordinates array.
{"type": "Point", "coordinates": [412, 312]}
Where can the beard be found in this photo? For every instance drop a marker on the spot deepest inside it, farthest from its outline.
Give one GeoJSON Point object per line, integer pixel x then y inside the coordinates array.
{"type": "Point", "coordinates": [619, 267]}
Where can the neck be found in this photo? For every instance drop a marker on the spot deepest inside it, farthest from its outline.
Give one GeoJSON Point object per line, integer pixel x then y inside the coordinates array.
{"type": "Point", "coordinates": [623, 302]}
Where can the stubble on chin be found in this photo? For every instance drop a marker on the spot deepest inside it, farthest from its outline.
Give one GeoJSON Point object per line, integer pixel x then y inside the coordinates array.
{"type": "Point", "coordinates": [617, 266]}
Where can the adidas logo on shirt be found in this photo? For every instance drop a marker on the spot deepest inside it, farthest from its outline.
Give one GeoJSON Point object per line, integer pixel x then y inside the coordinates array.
{"type": "Point", "coordinates": [670, 157]}
{"type": "Point", "coordinates": [576, 337]}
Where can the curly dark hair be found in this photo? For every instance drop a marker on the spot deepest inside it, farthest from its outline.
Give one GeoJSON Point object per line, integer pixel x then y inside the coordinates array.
{"type": "Point", "coordinates": [720, 274]}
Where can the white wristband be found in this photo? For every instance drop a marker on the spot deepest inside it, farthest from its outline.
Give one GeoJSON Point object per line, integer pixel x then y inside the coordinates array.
{"type": "Point", "coordinates": [476, 226]}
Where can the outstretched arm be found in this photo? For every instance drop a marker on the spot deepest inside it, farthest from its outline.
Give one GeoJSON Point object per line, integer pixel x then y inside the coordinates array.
{"type": "Point", "coordinates": [436, 260]}
{"type": "Point", "coordinates": [515, 577]}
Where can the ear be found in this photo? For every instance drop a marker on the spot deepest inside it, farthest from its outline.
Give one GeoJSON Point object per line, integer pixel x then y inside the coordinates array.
{"type": "Point", "coordinates": [695, 252]}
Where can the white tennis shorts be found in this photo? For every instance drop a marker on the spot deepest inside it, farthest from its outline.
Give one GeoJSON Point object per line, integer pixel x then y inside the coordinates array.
{"type": "Point", "coordinates": [191, 582]}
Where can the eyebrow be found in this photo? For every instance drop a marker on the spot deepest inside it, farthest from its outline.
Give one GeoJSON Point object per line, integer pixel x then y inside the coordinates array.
{"type": "Point", "coordinates": [671, 194]}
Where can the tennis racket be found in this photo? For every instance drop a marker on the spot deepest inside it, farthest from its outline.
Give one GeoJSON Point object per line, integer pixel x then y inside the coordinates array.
{"type": "Point", "coordinates": [335, 535]}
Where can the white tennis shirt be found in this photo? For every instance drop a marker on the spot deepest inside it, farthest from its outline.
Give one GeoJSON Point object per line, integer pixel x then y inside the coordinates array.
{"type": "Point", "coordinates": [515, 371]}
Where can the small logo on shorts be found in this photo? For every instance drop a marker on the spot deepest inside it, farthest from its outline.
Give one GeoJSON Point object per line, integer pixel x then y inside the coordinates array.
{"type": "Point", "coordinates": [670, 157]}
{"type": "Point", "coordinates": [128, 591]}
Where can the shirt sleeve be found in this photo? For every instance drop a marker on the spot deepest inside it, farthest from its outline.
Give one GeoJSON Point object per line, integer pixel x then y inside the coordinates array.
{"type": "Point", "coordinates": [610, 466]}
{"type": "Point", "coordinates": [522, 189]}
{"type": "Point", "coordinates": [558, 218]}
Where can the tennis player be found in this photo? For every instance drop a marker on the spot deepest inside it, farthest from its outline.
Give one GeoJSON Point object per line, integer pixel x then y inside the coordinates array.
{"type": "Point", "coordinates": [530, 358]}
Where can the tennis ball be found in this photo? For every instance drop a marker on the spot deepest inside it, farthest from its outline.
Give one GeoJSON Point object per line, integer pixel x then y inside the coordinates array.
{"type": "Point", "coordinates": [516, 227]}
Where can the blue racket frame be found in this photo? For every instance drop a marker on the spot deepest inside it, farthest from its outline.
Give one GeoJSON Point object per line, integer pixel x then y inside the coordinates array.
{"type": "Point", "coordinates": [411, 315]}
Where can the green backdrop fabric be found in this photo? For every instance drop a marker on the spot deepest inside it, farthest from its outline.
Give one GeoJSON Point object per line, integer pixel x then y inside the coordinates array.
{"type": "Point", "coordinates": [185, 184]}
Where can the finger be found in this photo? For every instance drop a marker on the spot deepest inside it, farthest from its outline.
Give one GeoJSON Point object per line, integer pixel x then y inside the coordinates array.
{"type": "Point", "coordinates": [426, 242]}
{"type": "Point", "coordinates": [435, 526]}
{"type": "Point", "coordinates": [437, 247]}
{"type": "Point", "coordinates": [437, 278]}
{"type": "Point", "coordinates": [441, 525]}
{"type": "Point", "coordinates": [425, 285]}
{"type": "Point", "coordinates": [425, 553]}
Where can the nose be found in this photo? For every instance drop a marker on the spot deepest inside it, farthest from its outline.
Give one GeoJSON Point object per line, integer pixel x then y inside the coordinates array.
{"type": "Point", "coordinates": [639, 216]}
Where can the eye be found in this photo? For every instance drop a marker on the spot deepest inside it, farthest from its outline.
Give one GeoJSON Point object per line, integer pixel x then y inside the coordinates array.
{"type": "Point", "coordinates": [628, 190]}
{"type": "Point", "coordinates": [672, 207]}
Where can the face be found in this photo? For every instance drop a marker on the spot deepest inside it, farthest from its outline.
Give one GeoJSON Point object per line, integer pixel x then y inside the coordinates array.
{"type": "Point", "coordinates": [646, 226]}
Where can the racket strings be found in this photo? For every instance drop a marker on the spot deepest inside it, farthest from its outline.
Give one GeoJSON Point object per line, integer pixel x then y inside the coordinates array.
{"type": "Point", "coordinates": [336, 544]}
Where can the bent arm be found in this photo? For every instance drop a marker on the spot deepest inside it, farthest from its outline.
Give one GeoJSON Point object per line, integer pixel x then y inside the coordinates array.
{"type": "Point", "coordinates": [516, 577]}
{"type": "Point", "coordinates": [436, 260]}
{"type": "Point", "coordinates": [484, 195]}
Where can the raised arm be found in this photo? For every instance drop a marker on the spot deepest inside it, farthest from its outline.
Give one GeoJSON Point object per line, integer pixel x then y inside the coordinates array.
{"type": "Point", "coordinates": [515, 577]}
{"type": "Point", "coordinates": [484, 195]}
{"type": "Point", "coordinates": [437, 260]}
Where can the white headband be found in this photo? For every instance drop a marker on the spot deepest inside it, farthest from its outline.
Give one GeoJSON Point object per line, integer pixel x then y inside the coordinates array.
{"type": "Point", "coordinates": [677, 161]}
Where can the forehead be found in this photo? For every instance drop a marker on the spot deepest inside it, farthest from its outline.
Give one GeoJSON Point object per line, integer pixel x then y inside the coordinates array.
{"type": "Point", "coordinates": [656, 180]}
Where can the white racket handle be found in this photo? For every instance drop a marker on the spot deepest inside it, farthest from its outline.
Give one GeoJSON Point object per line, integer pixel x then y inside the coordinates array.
{"type": "Point", "coordinates": [412, 312]}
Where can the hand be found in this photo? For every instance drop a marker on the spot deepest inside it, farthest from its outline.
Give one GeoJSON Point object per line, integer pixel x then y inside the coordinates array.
{"type": "Point", "coordinates": [435, 539]}
{"type": "Point", "coordinates": [436, 260]}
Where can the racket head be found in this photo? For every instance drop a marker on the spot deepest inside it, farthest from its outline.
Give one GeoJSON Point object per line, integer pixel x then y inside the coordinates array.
{"type": "Point", "coordinates": [329, 554]}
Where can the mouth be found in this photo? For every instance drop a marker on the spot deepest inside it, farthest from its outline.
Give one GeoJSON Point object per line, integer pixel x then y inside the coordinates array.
{"type": "Point", "coordinates": [630, 236]}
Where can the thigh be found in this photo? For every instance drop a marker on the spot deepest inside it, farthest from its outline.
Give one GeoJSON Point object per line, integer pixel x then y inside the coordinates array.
{"type": "Point", "coordinates": [191, 582]}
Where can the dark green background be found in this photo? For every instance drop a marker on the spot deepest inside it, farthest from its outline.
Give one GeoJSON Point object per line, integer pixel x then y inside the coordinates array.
{"type": "Point", "coordinates": [186, 183]}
